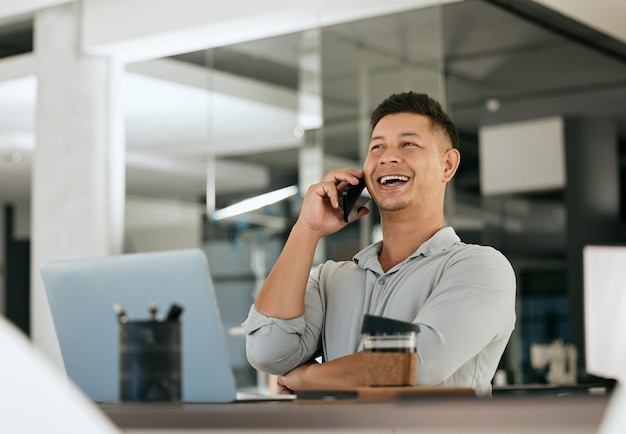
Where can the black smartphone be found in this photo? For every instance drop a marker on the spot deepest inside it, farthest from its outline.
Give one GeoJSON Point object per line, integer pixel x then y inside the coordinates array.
{"type": "Point", "coordinates": [352, 200]}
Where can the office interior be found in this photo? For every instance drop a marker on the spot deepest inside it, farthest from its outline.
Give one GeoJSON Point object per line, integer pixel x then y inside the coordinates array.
{"type": "Point", "coordinates": [183, 121]}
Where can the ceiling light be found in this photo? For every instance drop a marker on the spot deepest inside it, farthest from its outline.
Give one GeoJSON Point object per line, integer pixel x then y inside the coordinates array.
{"type": "Point", "coordinates": [492, 105]}
{"type": "Point", "coordinates": [254, 203]}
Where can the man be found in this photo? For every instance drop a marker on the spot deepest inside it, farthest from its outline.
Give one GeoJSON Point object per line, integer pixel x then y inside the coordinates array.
{"type": "Point", "coordinates": [462, 296]}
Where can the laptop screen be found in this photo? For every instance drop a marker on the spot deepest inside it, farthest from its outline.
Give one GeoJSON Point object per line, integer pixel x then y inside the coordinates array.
{"type": "Point", "coordinates": [81, 294]}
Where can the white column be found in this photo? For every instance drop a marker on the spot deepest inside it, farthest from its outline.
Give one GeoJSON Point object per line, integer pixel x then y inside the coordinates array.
{"type": "Point", "coordinates": [310, 119]}
{"type": "Point", "coordinates": [78, 182]}
{"type": "Point", "coordinates": [365, 134]}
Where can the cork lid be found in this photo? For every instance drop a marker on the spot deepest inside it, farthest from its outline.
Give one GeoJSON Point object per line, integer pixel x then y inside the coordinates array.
{"type": "Point", "coordinates": [373, 325]}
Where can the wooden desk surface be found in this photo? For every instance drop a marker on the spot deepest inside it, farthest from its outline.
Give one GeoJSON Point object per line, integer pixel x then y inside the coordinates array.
{"type": "Point", "coordinates": [571, 414]}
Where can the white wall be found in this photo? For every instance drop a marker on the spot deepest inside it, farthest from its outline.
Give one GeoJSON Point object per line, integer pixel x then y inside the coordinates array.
{"type": "Point", "coordinates": [537, 148]}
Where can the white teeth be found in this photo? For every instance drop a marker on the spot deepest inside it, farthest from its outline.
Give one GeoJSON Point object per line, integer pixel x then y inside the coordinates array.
{"type": "Point", "coordinates": [386, 179]}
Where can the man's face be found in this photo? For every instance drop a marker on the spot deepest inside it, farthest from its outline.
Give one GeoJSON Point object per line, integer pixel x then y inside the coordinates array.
{"type": "Point", "coordinates": [408, 163]}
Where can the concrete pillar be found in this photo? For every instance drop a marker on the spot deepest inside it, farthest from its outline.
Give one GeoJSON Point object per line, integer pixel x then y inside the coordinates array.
{"type": "Point", "coordinates": [78, 183]}
{"type": "Point", "coordinates": [310, 119]}
{"type": "Point", "coordinates": [365, 134]}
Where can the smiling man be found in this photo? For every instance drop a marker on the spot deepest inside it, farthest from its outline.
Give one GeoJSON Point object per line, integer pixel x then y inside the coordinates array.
{"type": "Point", "coordinates": [461, 295]}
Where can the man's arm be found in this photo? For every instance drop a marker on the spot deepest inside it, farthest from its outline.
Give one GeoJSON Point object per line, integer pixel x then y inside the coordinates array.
{"type": "Point", "coordinates": [282, 294]}
{"type": "Point", "coordinates": [342, 373]}
{"type": "Point", "coordinates": [471, 308]}
{"type": "Point", "coordinates": [281, 332]}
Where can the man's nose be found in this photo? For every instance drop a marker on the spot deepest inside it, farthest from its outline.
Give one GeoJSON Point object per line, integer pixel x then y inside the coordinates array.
{"type": "Point", "coordinates": [390, 156]}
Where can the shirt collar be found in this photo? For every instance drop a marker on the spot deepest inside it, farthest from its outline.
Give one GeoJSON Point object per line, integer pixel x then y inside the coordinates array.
{"type": "Point", "coordinates": [442, 240]}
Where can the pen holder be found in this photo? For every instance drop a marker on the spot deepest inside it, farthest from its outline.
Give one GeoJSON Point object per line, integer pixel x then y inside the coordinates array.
{"type": "Point", "coordinates": [150, 359]}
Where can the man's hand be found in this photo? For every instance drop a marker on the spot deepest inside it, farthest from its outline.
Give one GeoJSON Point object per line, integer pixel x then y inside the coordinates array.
{"type": "Point", "coordinates": [320, 210]}
{"type": "Point", "coordinates": [293, 380]}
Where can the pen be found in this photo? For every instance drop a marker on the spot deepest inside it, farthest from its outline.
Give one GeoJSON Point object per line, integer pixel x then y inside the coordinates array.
{"type": "Point", "coordinates": [174, 313]}
{"type": "Point", "coordinates": [121, 313]}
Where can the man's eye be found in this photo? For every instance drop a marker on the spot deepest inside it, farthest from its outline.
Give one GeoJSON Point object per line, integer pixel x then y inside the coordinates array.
{"type": "Point", "coordinates": [409, 144]}
{"type": "Point", "coordinates": [374, 147]}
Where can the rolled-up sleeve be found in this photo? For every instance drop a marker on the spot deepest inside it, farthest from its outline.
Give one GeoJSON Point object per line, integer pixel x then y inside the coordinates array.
{"type": "Point", "coordinates": [277, 346]}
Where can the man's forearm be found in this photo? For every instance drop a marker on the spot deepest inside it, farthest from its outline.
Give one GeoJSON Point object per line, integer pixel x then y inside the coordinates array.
{"type": "Point", "coordinates": [342, 373]}
{"type": "Point", "coordinates": [282, 294]}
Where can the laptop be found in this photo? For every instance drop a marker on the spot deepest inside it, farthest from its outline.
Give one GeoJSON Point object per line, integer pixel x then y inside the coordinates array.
{"type": "Point", "coordinates": [82, 293]}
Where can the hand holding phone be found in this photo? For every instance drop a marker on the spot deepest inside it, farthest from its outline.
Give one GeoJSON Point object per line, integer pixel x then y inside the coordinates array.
{"type": "Point", "coordinates": [352, 200]}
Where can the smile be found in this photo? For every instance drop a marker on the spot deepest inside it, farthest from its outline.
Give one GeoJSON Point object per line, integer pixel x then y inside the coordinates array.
{"type": "Point", "coordinates": [392, 179]}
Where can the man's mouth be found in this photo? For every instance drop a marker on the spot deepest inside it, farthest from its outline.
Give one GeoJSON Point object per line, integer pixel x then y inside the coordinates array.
{"type": "Point", "coordinates": [391, 180]}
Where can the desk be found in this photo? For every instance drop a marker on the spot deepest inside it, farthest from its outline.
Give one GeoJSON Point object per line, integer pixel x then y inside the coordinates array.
{"type": "Point", "coordinates": [576, 414]}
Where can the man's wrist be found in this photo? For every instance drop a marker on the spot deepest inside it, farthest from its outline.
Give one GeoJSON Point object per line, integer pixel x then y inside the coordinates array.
{"type": "Point", "coordinates": [305, 234]}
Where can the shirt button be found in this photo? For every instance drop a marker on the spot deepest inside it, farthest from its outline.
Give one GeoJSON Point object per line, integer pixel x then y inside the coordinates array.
{"type": "Point", "coordinates": [382, 281]}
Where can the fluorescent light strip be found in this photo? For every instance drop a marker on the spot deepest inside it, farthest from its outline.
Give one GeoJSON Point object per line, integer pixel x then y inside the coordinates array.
{"type": "Point", "coordinates": [254, 203]}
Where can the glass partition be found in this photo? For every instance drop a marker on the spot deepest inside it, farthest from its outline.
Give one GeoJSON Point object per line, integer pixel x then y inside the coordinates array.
{"type": "Point", "coordinates": [261, 116]}
{"type": "Point", "coordinates": [219, 126]}
{"type": "Point", "coordinates": [364, 62]}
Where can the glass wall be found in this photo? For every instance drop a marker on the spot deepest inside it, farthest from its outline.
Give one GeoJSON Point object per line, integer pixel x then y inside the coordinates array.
{"type": "Point", "coordinates": [363, 63]}
{"type": "Point", "coordinates": [211, 128]}
{"type": "Point", "coordinates": [260, 116]}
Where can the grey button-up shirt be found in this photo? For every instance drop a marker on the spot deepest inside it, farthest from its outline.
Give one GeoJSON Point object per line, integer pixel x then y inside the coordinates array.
{"type": "Point", "coordinates": [462, 296]}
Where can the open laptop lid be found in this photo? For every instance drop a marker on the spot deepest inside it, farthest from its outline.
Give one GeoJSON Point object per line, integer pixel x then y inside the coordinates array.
{"type": "Point", "coordinates": [81, 294]}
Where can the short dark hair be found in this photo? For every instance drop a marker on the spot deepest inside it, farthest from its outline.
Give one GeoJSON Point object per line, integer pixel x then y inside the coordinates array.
{"type": "Point", "coordinates": [421, 104]}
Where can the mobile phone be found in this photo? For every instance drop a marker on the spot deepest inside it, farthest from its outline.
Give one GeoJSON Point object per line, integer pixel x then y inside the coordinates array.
{"type": "Point", "coordinates": [352, 200]}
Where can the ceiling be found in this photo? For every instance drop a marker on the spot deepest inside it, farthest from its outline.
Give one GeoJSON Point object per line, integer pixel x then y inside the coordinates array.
{"type": "Point", "coordinates": [240, 103]}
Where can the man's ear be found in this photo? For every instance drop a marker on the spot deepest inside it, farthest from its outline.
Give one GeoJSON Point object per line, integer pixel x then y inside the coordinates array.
{"type": "Point", "coordinates": [451, 161]}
